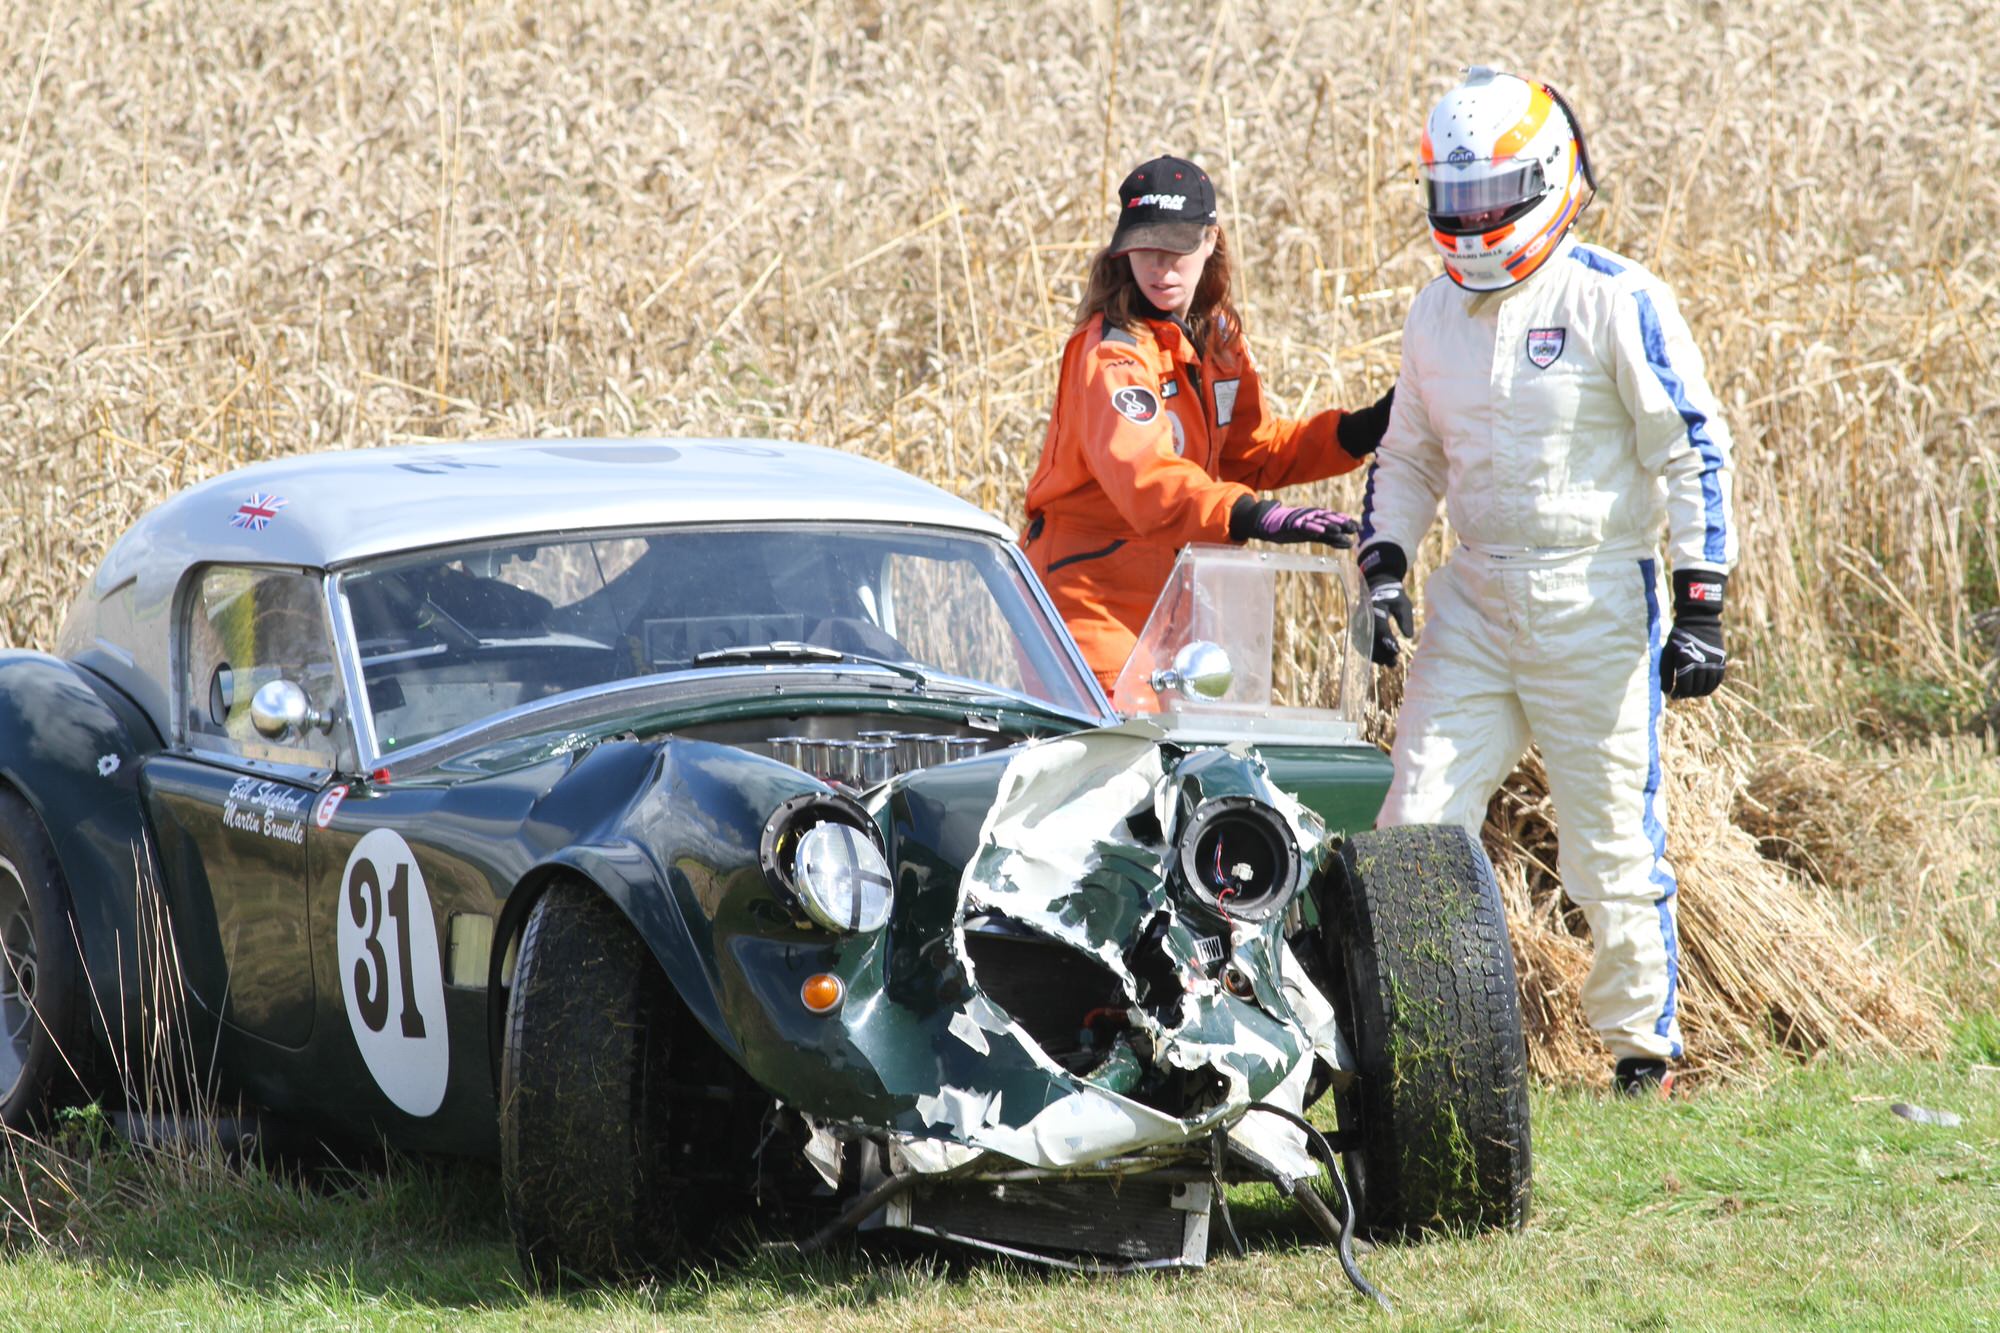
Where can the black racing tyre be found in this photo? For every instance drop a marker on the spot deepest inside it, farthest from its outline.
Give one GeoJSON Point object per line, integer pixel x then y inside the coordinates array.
{"type": "Point", "coordinates": [584, 1115]}
{"type": "Point", "coordinates": [1423, 979]}
{"type": "Point", "coordinates": [46, 1043]}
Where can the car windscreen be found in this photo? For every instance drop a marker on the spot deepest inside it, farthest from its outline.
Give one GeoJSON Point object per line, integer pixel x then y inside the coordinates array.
{"type": "Point", "coordinates": [447, 638]}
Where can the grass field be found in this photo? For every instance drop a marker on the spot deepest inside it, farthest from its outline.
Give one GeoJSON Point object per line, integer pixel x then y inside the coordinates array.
{"type": "Point", "coordinates": [1805, 1204]}
{"type": "Point", "coordinates": [241, 228]}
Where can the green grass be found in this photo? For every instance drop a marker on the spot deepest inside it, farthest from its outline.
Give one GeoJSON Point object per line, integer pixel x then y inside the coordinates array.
{"type": "Point", "coordinates": [1803, 1204]}
{"type": "Point", "coordinates": [1908, 707]}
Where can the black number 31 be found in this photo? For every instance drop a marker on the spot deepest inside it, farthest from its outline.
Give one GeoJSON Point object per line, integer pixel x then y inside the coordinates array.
{"type": "Point", "coordinates": [371, 972]}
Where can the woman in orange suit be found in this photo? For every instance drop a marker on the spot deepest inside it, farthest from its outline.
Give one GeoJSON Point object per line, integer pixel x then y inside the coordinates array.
{"type": "Point", "coordinates": [1160, 434]}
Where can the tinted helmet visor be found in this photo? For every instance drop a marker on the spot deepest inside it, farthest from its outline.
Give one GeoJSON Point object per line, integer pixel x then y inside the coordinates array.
{"type": "Point", "coordinates": [1468, 206]}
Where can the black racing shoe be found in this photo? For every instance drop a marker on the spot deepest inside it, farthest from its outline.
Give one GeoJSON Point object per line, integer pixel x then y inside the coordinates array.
{"type": "Point", "coordinates": [1636, 1076]}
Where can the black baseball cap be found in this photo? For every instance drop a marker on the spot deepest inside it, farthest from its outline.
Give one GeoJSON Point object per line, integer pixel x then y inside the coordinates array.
{"type": "Point", "coordinates": [1166, 204]}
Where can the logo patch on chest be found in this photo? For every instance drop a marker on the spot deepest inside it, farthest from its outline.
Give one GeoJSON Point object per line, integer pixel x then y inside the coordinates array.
{"type": "Point", "coordinates": [1225, 401]}
{"type": "Point", "coordinates": [1544, 346]}
{"type": "Point", "coordinates": [1136, 403]}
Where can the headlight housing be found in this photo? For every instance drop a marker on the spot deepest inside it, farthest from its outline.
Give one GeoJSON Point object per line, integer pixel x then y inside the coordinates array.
{"type": "Point", "coordinates": [823, 851]}
{"type": "Point", "coordinates": [1238, 858]}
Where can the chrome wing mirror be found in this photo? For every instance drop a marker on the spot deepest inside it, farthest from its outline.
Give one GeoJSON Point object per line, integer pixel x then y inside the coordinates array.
{"type": "Point", "coordinates": [281, 709]}
{"type": "Point", "coordinates": [1201, 669]}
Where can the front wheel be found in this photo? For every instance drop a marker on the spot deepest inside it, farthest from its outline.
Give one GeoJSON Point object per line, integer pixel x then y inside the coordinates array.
{"type": "Point", "coordinates": [1416, 941]}
{"type": "Point", "coordinates": [584, 1123]}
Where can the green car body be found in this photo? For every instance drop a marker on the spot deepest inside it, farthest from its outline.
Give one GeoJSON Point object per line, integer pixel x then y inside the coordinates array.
{"type": "Point", "coordinates": [346, 919]}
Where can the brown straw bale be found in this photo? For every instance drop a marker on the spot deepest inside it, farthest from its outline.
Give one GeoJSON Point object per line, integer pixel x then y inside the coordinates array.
{"type": "Point", "coordinates": [1764, 961]}
{"type": "Point", "coordinates": [1822, 815]}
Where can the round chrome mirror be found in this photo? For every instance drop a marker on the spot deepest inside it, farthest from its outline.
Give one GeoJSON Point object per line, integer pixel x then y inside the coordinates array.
{"type": "Point", "coordinates": [1200, 669]}
{"type": "Point", "coordinates": [280, 709]}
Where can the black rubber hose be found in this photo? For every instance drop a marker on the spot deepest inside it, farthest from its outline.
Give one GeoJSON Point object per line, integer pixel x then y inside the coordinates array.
{"type": "Point", "coordinates": [1215, 1150]}
{"type": "Point", "coordinates": [1344, 1244]}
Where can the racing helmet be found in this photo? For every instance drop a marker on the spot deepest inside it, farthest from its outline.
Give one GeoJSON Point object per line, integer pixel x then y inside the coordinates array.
{"type": "Point", "coordinates": [1504, 171]}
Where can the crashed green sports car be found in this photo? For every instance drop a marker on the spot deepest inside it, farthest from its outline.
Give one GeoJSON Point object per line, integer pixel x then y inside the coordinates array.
{"type": "Point", "coordinates": [716, 828]}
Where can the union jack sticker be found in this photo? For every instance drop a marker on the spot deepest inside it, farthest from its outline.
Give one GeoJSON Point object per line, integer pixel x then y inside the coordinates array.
{"type": "Point", "coordinates": [257, 512]}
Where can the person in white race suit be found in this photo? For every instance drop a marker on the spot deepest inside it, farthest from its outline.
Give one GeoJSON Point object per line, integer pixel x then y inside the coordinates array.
{"type": "Point", "coordinates": [1552, 398]}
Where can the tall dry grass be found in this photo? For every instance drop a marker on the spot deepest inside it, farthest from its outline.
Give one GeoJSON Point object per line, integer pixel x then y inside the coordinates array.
{"type": "Point", "coordinates": [162, 1076]}
{"type": "Point", "coordinates": [239, 229]}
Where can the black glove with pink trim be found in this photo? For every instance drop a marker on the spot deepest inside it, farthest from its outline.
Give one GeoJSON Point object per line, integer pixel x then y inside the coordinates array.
{"type": "Point", "coordinates": [1692, 660]}
{"type": "Point", "coordinates": [1274, 522]}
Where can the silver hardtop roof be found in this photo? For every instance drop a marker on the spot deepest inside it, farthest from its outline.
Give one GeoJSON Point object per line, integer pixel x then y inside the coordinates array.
{"type": "Point", "coordinates": [319, 511]}
{"type": "Point", "coordinates": [325, 510]}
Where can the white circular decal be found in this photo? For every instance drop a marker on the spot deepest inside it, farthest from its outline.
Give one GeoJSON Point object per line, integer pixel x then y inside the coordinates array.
{"type": "Point", "coordinates": [390, 971]}
{"type": "Point", "coordinates": [330, 802]}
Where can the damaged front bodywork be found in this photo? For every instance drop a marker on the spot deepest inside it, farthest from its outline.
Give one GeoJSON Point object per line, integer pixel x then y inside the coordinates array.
{"type": "Point", "coordinates": [1128, 1004]}
{"type": "Point", "coordinates": [1084, 972]}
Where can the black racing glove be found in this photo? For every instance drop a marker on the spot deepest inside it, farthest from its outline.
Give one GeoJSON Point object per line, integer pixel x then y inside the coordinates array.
{"type": "Point", "coordinates": [1273, 522]}
{"type": "Point", "coordinates": [1384, 565]}
{"type": "Point", "coordinates": [1692, 662]}
{"type": "Point", "coordinates": [1360, 431]}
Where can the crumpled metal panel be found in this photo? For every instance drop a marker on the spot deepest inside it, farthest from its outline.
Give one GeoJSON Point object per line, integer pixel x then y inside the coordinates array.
{"type": "Point", "coordinates": [1072, 841]}
{"type": "Point", "coordinates": [1075, 848]}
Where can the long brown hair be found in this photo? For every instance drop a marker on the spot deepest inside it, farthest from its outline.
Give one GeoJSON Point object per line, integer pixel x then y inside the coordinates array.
{"type": "Point", "coordinates": [1113, 292]}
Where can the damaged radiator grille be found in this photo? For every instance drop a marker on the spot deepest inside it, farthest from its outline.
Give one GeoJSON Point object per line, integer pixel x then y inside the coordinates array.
{"type": "Point", "coordinates": [1060, 995]}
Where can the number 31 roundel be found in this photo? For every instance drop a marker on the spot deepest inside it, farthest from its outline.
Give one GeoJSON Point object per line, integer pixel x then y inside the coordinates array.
{"type": "Point", "coordinates": [390, 975]}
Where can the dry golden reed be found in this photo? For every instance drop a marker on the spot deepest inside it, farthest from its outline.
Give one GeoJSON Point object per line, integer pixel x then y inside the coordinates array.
{"type": "Point", "coordinates": [259, 227]}
{"type": "Point", "coordinates": [1764, 962]}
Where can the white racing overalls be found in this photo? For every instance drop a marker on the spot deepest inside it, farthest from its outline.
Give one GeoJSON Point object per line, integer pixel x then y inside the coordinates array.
{"type": "Point", "coordinates": [1565, 423]}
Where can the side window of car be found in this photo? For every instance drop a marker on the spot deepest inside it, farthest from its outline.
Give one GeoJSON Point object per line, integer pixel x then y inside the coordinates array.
{"type": "Point", "coordinates": [243, 629]}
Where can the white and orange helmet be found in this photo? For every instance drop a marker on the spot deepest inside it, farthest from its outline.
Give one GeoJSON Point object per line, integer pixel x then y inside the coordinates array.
{"type": "Point", "coordinates": [1505, 173]}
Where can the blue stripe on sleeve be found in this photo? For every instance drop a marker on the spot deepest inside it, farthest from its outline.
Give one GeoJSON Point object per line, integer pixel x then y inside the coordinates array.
{"type": "Point", "coordinates": [1368, 508]}
{"type": "Point", "coordinates": [1656, 832]}
{"type": "Point", "coordinates": [1715, 545]}
{"type": "Point", "coordinates": [1596, 262]}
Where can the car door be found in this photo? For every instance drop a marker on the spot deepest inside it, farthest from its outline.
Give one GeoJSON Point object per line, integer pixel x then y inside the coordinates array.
{"type": "Point", "coordinates": [232, 808]}
{"type": "Point", "coordinates": [407, 884]}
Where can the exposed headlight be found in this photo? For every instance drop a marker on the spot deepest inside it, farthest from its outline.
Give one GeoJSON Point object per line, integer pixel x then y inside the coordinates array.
{"type": "Point", "coordinates": [1239, 859]}
{"type": "Point", "coordinates": [824, 852]}
{"type": "Point", "coordinates": [841, 878]}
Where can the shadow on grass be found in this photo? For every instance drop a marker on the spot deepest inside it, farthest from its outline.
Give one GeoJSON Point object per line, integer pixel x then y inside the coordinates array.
{"type": "Point", "coordinates": [387, 1232]}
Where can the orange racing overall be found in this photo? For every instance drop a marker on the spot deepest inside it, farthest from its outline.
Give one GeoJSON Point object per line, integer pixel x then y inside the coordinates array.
{"type": "Point", "coordinates": [1152, 442]}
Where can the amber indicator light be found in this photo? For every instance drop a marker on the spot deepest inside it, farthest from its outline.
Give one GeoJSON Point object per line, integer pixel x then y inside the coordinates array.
{"type": "Point", "coordinates": [822, 993]}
